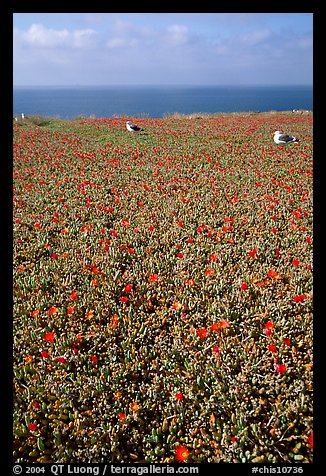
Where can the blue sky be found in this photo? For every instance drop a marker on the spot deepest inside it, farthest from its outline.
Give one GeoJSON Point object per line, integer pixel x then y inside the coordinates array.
{"type": "Point", "coordinates": [162, 48]}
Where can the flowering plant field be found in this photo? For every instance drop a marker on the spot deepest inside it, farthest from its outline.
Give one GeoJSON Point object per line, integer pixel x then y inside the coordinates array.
{"type": "Point", "coordinates": [163, 290]}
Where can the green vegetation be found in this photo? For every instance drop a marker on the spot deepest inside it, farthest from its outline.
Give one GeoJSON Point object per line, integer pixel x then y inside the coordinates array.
{"type": "Point", "coordinates": [163, 290]}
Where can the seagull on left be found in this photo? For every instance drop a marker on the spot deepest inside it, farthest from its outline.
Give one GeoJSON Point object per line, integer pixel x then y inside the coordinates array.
{"type": "Point", "coordinates": [23, 115]}
{"type": "Point", "coordinates": [280, 138]}
{"type": "Point", "coordinates": [132, 127]}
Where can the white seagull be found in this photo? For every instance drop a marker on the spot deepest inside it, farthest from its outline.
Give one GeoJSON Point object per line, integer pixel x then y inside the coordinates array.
{"type": "Point", "coordinates": [280, 138]}
{"type": "Point", "coordinates": [132, 127]}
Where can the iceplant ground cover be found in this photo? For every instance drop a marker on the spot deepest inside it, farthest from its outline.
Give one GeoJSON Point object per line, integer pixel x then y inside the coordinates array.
{"type": "Point", "coordinates": [163, 290]}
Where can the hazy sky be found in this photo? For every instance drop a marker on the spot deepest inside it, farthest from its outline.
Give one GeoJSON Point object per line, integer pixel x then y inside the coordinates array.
{"type": "Point", "coordinates": [162, 48]}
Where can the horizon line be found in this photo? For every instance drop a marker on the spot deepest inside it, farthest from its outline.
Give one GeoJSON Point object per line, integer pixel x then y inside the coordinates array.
{"type": "Point", "coordinates": [161, 85]}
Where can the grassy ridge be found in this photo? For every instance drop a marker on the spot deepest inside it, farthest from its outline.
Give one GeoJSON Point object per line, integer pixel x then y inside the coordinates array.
{"type": "Point", "coordinates": [163, 290]}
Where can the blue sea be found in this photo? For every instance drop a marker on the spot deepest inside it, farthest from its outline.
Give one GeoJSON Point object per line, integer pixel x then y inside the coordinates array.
{"type": "Point", "coordinates": [156, 101]}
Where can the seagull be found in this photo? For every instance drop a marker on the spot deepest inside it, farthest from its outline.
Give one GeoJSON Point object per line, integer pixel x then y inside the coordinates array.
{"type": "Point", "coordinates": [132, 127]}
{"type": "Point", "coordinates": [280, 138]}
{"type": "Point", "coordinates": [23, 115]}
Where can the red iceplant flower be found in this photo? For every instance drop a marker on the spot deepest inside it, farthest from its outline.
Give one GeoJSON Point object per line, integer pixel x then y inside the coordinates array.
{"type": "Point", "coordinates": [280, 368]}
{"type": "Point", "coordinates": [299, 298]}
{"type": "Point", "coordinates": [269, 326]}
{"type": "Point", "coordinates": [33, 427]}
{"type": "Point", "coordinates": [52, 310]}
{"type": "Point", "coordinates": [252, 252]}
{"type": "Point", "coordinates": [216, 349]}
{"type": "Point", "coordinates": [94, 359]}
{"type": "Point", "coordinates": [190, 282]}
{"type": "Point", "coordinates": [244, 286]}
{"type": "Point", "coordinates": [122, 417]}
{"type": "Point", "coordinates": [310, 440]}
{"type": "Point", "coordinates": [181, 453]}
{"type": "Point", "coordinates": [124, 299]}
{"type": "Point", "coordinates": [49, 336]}
{"type": "Point", "coordinates": [153, 278]}
{"type": "Point", "coordinates": [179, 396]}
{"type": "Point", "coordinates": [202, 333]}
{"type": "Point", "coordinates": [128, 288]}
{"type": "Point", "coordinates": [272, 348]}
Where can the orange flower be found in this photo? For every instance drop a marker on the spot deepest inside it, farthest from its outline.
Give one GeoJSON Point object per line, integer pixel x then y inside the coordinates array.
{"type": "Point", "coordinates": [34, 313]}
{"type": "Point", "coordinates": [224, 324]}
{"type": "Point", "coordinates": [181, 453]}
{"type": "Point", "coordinates": [28, 359]}
{"type": "Point", "coordinates": [273, 274]}
{"type": "Point", "coordinates": [125, 222]}
{"type": "Point", "coordinates": [90, 315]}
{"type": "Point", "coordinates": [114, 321]}
{"type": "Point", "coordinates": [190, 282]}
{"type": "Point", "coordinates": [134, 407]}
{"type": "Point", "coordinates": [117, 395]}
{"type": "Point", "coordinates": [177, 306]}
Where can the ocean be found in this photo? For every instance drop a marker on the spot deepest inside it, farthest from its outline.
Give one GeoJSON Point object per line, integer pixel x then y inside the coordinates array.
{"type": "Point", "coordinates": [156, 101]}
